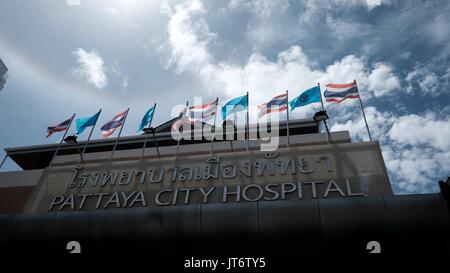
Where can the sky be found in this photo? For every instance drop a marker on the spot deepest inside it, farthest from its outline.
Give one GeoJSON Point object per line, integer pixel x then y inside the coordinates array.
{"type": "Point", "coordinates": [77, 56]}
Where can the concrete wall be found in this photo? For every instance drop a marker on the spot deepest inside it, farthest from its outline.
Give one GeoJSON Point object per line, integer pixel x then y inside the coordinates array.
{"type": "Point", "coordinates": [204, 148]}
{"type": "Point", "coordinates": [16, 188]}
{"type": "Point", "coordinates": [400, 223]}
{"type": "Point", "coordinates": [355, 166]}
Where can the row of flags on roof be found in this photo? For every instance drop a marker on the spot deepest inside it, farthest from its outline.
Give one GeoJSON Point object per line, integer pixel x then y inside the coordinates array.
{"type": "Point", "coordinates": [334, 93]}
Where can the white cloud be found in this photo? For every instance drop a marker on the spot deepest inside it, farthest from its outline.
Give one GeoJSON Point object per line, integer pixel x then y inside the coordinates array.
{"type": "Point", "coordinates": [73, 2]}
{"type": "Point", "coordinates": [189, 37]}
{"type": "Point", "coordinates": [414, 152]}
{"type": "Point", "coordinates": [428, 82]}
{"type": "Point", "coordinates": [90, 67]}
{"type": "Point", "coordinates": [382, 79]}
{"type": "Point", "coordinates": [415, 148]}
{"type": "Point", "coordinates": [416, 169]}
{"type": "Point", "coordinates": [164, 8]}
{"type": "Point", "coordinates": [351, 119]}
{"type": "Point", "coordinates": [375, 81]}
{"type": "Point", "coordinates": [373, 3]}
{"type": "Point", "coordinates": [189, 40]}
{"type": "Point", "coordinates": [422, 130]}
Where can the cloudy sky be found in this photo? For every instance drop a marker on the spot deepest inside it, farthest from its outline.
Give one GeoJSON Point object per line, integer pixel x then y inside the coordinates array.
{"type": "Point", "coordinates": [78, 56]}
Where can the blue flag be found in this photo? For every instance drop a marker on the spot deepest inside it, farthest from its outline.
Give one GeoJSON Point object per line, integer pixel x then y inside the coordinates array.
{"type": "Point", "coordinates": [309, 96]}
{"type": "Point", "coordinates": [235, 105]}
{"type": "Point", "coordinates": [147, 119]}
{"type": "Point", "coordinates": [83, 123]}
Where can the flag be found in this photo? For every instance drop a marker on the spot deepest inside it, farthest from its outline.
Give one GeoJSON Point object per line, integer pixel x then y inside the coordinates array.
{"type": "Point", "coordinates": [235, 105]}
{"type": "Point", "coordinates": [83, 123]}
{"type": "Point", "coordinates": [280, 102]}
{"type": "Point", "coordinates": [58, 128]}
{"type": "Point", "coordinates": [109, 128]}
{"type": "Point", "coordinates": [339, 92]}
{"type": "Point", "coordinates": [201, 112]}
{"type": "Point", "coordinates": [147, 119]}
{"type": "Point", "coordinates": [180, 120]}
{"type": "Point", "coordinates": [309, 96]}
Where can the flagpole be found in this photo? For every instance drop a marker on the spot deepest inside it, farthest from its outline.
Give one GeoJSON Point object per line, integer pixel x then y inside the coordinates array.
{"type": "Point", "coordinates": [156, 143]}
{"type": "Point", "coordinates": [60, 142]}
{"type": "Point", "coordinates": [213, 130]}
{"type": "Point", "coordinates": [362, 109]}
{"type": "Point", "coordinates": [89, 138]}
{"type": "Point", "coordinates": [287, 116]}
{"type": "Point", "coordinates": [143, 147]}
{"type": "Point", "coordinates": [234, 127]}
{"type": "Point", "coordinates": [79, 151]}
{"type": "Point", "coordinates": [247, 124]}
{"type": "Point", "coordinates": [324, 121]}
{"type": "Point", "coordinates": [153, 133]}
{"type": "Point", "coordinates": [3, 160]}
{"type": "Point", "coordinates": [120, 132]}
{"type": "Point", "coordinates": [179, 139]}
{"type": "Point", "coordinates": [146, 136]}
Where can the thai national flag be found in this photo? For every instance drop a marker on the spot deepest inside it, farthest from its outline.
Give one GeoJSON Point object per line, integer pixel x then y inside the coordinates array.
{"type": "Point", "coordinates": [109, 128]}
{"type": "Point", "coordinates": [339, 92]}
{"type": "Point", "coordinates": [280, 102]}
{"type": "Point", "coordinates": [202, 112]}
{"type": "Point", "coordinates": [58, 128]}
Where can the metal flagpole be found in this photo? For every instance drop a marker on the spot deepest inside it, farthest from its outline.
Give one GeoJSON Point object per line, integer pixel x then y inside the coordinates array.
{"type": "Point", "coordinates": [213, 130]}
{"type": "Point", "coordinates": [79, 152]}
{"type": "Point", "coordinates": [156, 143]}
{"type": "Point", "coordinates": [117, 140]}
{"type": "Point", "coordinates": [143, 147]}
{"type": "Point", "coordinates": [247, 125]}
{"type": "Point", "coordinates": [179, 139]}
{"type": "Point", "coordinates": [3, 160]}
{"type": "Point", "coordinates": [324, 122]}
{"type": "Point", "coordinates": [287, 116]}
{"type": "Point", "coordinates": [60, 142]}
{"type": "Point", "coordinates": [234, 127]}
{"type": "Point", "coordinates": [146, 136]}
{"type": "Point", "coordinates": [88, 139]}
{"type": "Point", "coordinates": [362, 109]}
{"type": "Point", "coordinates": [231, 143]}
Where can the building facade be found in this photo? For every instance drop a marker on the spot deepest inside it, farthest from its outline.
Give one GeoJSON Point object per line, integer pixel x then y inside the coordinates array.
{"type": "Point", "coordinates": [306, 195]}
